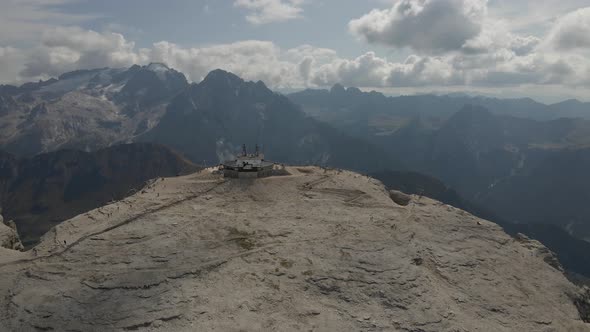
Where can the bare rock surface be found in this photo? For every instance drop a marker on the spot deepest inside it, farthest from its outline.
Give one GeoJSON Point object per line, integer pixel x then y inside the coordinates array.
{"type": "Point", "coordinates": [399, 197]}
{"type": "Point", "coordinates": [9, 236]}
{"type": "Point", "coordinates": [317, 250]}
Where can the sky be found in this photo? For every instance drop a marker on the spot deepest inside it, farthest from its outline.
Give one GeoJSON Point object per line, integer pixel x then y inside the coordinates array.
{"type": "Point", "coordinates": [503, 48]}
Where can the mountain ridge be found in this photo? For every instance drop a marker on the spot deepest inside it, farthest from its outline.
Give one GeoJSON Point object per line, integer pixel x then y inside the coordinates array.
{"type": "Point", "coordinates": [155, 103]}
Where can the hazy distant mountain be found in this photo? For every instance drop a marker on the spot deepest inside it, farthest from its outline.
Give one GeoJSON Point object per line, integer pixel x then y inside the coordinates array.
{"type": "Point", "coordinates": [555, 190]}
{"type": "Point", "coordinates": [523, 170]}
{"type": "Point", "coordinates": [344, 107]}
{"type": "Point", "coordinates": [571, 108]}
{"type": "Point", "coordinates": [508, 164]}
{"type": "Point", "coordinates": [208, 121]}
{"type": "Point", "coordinates": [85, 109]}
{"type": "Point", "coordinates": [572, 252]}
{"type": "Point", "coordinates": [40, 192]}
{"type": "Point", "coordinates": [473, 149]}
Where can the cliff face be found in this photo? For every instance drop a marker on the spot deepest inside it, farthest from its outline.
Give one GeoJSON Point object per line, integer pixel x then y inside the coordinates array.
{"type": "Point", "coordinates": [319, 249]}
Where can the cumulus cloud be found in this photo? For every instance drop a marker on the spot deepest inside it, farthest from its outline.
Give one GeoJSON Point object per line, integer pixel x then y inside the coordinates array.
{"type": "Point", "coordinates": [251, 59]}
{"type": "Point", "coordinates": [458, 43]}
{"type": "Point", "coordinates": [268, 11]}
{"type": "Point", "coordinates": [27, 19]}
{"type": "Point", "coordinates": [572, 31]}
{"type": "Point", "coordinates": [11, 62]}
{"type": "Point", "coordinates": [423, 25]}
{"type": "Point", "coordinates": [494, 57]}
{"type": "Point", "coordinates": [366, 70]}
{"type": "Point", "coordinates": [68, 48]}
{"type": "Point", "coordinates": [496, 36]}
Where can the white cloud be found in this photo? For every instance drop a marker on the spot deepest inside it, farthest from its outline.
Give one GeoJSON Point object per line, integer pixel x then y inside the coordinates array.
{"type": "Point", "coordinates": [365, 70]}
{"type": "Point", "coordinates": [423, 25]}
{"type": "Point", "coordinates": [269, 11]}
{"type": "Point", "coordinates": [572, 31]}
{"type": "Point", "coordinates": [532, 16]}
{"type": "Point", "coordinates": [11, 63]}
{"type": "Point", "coordinates": [25, 20]}
{"type": "Point", "coordinates": [251, 59]}
{"type": "Point", "coordinates": [495, 35]}
{"type": "Point", "coordinates": [495, 57]}
{"type": "Point", "coordinates": [69, 48]}
{"type": "Point", "coordinates": [458, 43]}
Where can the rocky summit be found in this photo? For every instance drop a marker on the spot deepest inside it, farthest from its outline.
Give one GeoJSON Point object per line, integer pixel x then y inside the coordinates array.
{"type": "Point", "coordinates": [319, 249]}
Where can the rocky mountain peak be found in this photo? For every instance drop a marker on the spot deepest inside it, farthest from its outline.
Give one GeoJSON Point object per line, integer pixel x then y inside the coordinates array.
{"type": "Point", "coordinates": [157, 66]}
{"type": "Point", "coordinates": [337, 89]}
{"type": "Point", "coordinates": [472, 118]}
{"type": "Point", "coordinates": [77, 73]}
{"type": "Point", "coordinates": [164, 73]}
{"type": "Point", "coordinates": [220, 78]}
{"type": "Point", "coordinates": [354, 91]}
{"type": "Point", "coordinates": [220, 84]}
{"type": "Point", "coordinates": [151, 84]}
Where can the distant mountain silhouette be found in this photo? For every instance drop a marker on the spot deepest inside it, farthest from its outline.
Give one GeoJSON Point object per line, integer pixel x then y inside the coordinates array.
{"type": "Point", "coordinates": [340, 99]}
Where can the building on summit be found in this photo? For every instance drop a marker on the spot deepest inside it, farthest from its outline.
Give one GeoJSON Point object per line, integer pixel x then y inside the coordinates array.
{"type": "Point", "coordinates": [248, 165]}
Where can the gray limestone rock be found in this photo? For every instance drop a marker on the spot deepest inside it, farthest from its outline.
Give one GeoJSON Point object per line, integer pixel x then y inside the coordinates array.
{"type": "Point", "coordinates": [399, 197]}
{"type": "Point", "coordinates": [314, 250]}
{"type": "Point", "coordinates": [9, 236]}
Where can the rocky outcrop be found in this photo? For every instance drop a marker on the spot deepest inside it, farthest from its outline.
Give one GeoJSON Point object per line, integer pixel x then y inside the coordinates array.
{"type": "Point", "coordinates": [315, 250]}
{"type": "Point", "coordinates": [9, 238]}
{"type": "Point", "coordinates": [399, 197]}
{"type": "Point", "coordinates": [582, 301]}
{"type": "Point", "coordinates": [539, 250]}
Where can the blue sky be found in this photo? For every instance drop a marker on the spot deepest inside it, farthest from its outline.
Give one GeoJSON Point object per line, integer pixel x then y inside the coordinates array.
{"type": "Point", "coordinates": [506, 48]}
{"type": "Point", "coordinates": [205, 22]}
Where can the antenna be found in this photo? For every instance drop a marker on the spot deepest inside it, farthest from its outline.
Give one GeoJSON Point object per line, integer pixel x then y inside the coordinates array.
{"type": "Point", "coordinates": [244, 150]}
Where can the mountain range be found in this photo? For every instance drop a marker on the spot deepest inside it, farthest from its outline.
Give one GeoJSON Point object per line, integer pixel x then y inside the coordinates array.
{"type": "Point", "coordinates": [522, 161]}
{"type": "Point", "coordinates": [207, 122]}
{"type": "Point", "coordinates": [339, 101]}
{"type": "Point", "coordinates": [499, 154]}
